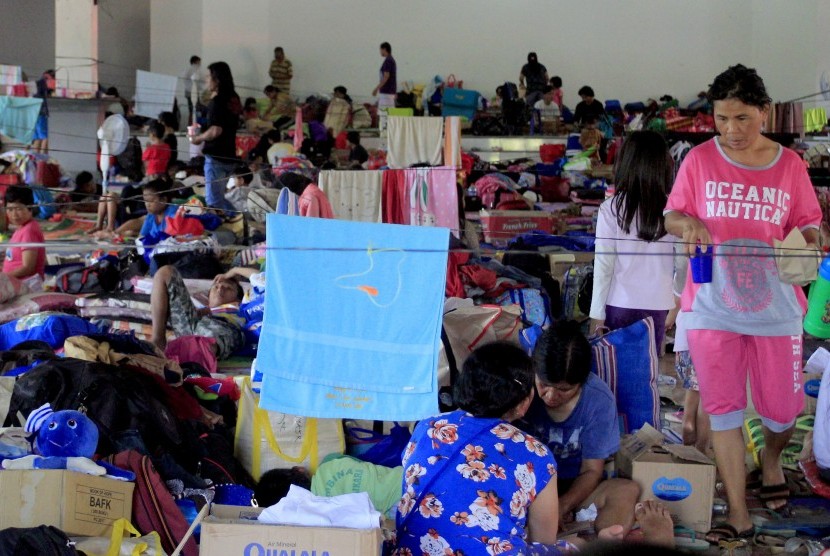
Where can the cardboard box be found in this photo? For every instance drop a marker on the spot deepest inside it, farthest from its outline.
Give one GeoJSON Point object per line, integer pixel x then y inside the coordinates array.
{"type": "Point", "coordinates": [76, 503]}
{"type": "Point", "coordinates": [500, 226]}
{"type": "Point", "coordinates": [680, 477]}
{"type": "Point", "coordinates": [234, 531]}
{"type": "Point", "coordinates": [561, 261]}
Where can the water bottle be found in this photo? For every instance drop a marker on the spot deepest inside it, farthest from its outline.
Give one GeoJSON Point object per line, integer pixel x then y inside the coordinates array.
{"type": "Point", "coordinates": [817, 321]}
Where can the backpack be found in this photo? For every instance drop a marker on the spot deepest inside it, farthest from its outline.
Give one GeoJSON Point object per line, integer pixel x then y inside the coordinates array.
{"type": "Point", "coordinates": [116, 399]}
{"type": "Point", "coordinates": [154, 508]}
{"type": "Point", "coordinates": [130, 161]}
{"type": "Point", "coordinates": [509, 91]}
{"type": "Point", "coordinates": [488, 126]}
{"type": "Point", "coordinates": [101, 277]}
{"type": "Point", "coordinates": [43, 539]}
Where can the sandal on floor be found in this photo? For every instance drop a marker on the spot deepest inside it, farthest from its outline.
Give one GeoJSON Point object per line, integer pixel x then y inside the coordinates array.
{"type": "Point", "coordinates": [773, 493]}
{"type": "Point", "coordinates": [725, 532]}
{"type": "Point", "coordinates": [773, 544]}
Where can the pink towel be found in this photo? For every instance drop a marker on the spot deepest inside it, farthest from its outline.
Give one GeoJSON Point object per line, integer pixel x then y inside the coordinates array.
{"type": "Point", "coordinates": [314, 203]}
{"type": "Point", "coordinates": [433, 197]}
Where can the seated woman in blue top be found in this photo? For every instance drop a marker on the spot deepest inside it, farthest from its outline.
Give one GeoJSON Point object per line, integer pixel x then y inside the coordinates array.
{"type": "Point", "coordinates": [575, 415]}
{"type": "Point", "coordinates": [473, 483]}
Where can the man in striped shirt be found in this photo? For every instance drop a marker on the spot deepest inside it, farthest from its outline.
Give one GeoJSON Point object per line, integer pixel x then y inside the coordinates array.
{"type": "Point", "coordinates": [281, 71]}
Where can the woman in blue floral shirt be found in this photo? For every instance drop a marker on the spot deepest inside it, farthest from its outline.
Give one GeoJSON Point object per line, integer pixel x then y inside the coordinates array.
{"type": "Point", "coordinates": [473, 483]}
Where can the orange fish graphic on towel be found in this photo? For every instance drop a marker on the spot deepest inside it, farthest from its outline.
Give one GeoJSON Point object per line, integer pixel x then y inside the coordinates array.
{"type": "Point", "coordinates": [382, 281]}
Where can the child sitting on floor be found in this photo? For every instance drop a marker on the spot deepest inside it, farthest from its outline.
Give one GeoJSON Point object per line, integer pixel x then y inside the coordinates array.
{"type": "Point", "coordinates": [156, 155]}
{"type": "Point", "coordinates": [357, 152]}
{"type": "Point", "coordinates": [158, 200]}
{"type": "Point", "coordinates": [24, 263]}
{"type": "Point", "coordinates": [591, 137]}
{"type": "Point", "coordinates": [87, 193]}
{"type": "Point", "coordinates": [548, 112]}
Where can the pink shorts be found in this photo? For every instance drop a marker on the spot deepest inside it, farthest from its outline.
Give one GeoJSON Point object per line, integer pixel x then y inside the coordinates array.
{"type": "Point", "coordinates": [723, 360]}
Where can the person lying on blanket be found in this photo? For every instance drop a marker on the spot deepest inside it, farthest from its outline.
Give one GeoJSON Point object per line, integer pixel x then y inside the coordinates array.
{"type": "Point", "coordinates": [171, 305]}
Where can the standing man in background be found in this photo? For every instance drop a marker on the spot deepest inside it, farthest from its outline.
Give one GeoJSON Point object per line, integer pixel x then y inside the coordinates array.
{"type": "Point", "coordinates": [281, 71]}
{"type": "Point", "coordinates": [388, 85]}
{"type": "Point", "coordinates": [193, 80]}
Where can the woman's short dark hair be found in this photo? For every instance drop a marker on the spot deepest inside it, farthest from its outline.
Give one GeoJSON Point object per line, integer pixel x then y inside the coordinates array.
{"type": "Point", "coordinates": [563, 354]}
{"type": "Point", "coordinates": [387, 47]}
{"type": "Point", "coordinates": [643, 176]}
{"type": "Point", "coordinates": [741, 83]}
{"type": "Point", "coordinates": [22, 195]}
{"type": "Point", "coordinates": [495, 378]}
{"type": "Point", "coordinates": [586, 91]}
{"type": "Point", "coordinates": [195, 60]}
{"type": "Point", "coordinates": [556, 81]}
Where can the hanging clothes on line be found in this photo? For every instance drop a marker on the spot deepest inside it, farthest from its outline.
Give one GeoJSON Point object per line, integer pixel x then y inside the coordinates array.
{"type": "Point", "coordinates": [452, 141]}
{"type": "Point", "coordinates": [814, 120]}
{"type": "Point", "coordinates": [433, 197]}
{"type": "Point", "coordinates": [18, 116]}
{"type": "Point", "coordinates": [414, 141]}
{"type": "Point", "coordinates": [376, 355]}
{"type": "Point", "coordinates": [354, 194]}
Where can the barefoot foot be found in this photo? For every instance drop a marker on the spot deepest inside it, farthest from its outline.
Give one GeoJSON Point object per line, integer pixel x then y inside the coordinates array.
{"type": "Point", "coordinates": [656, 523]}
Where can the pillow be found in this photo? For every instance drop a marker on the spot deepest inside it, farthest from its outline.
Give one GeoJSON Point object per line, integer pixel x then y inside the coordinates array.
{"type": "Point", "coordinates": [626, 360]}
{"type": "Point", "coordinates": [52, 328]}
{"type": "Point", "coordinates": [53, 301]}
{"type": "Point", "coordinates": [11, 288]}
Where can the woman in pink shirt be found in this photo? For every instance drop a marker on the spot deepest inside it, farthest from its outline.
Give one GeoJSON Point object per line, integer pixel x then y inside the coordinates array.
{"type": "Point", "coordinates": [736, 194]}
{"type": "Point", "coordinates": [24, 262]}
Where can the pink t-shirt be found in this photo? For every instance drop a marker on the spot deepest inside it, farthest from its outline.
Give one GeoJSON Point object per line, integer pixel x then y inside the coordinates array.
{"type": "Point", "coordinates": [27, 233]}
{"type": "Point", "coordinates": [744, 209]}
{"type": "Point", "coordinates": [313, 202]}
{"type": "Point", "coordinates": [557, 97]}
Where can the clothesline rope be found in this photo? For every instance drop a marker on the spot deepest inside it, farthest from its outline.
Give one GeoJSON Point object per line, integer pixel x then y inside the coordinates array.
{"type": "Point", "coordinates": [93, 245]}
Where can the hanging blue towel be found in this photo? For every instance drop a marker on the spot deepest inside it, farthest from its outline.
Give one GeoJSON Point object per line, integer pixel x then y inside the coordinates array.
{"type": "Point", "coordinates": [18, 116]}
{"type": "Point", "coordinates": [351, 305]}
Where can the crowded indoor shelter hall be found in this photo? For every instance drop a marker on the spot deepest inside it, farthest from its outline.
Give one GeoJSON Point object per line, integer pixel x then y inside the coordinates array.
{"type": "Point", "coordinates": [372, 278]}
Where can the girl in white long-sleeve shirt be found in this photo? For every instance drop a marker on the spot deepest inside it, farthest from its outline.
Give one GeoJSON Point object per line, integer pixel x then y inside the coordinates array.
{"type": "Point", "coordinates": [634, 266]}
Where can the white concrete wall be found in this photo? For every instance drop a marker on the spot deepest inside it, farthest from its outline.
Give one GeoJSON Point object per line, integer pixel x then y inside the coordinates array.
{"type": "Point", "coordinates": [37, 18]}
{"type": "Point", "coordinates": [627, 50]}
{"type": "Point", "coordinates": [123, 42]}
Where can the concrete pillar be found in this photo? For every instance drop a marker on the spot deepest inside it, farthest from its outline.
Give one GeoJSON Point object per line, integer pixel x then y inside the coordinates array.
{"type": "Point", "coordinates": [76, 45]}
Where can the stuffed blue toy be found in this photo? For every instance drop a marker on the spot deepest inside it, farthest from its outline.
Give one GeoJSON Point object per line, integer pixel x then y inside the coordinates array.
{"type": "Point", "coordinates": [64, 440]}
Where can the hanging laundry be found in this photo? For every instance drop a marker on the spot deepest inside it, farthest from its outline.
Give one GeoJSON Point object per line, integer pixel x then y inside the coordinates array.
{"type": "Point", "coordinates": [414, 141]}
{"type": "Point", "coordinates": [395, 208]}
{"type": "Point", "coordinates": [351, 329]}
{"type": "Point", "coordinates": [354, 195]}
{"type": "Point", "coordinates": [10, 75]}
{"type": "Point", "coordinates": [452, 141]}
{"type": "Point", "coordinates": [154, 93]}
{"type": "Point", "coordinates": [814, 120]}
{"type": "Point", "coordinates": [18, 116]}
{"type": "Point", "coordinates": [433, 197]}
